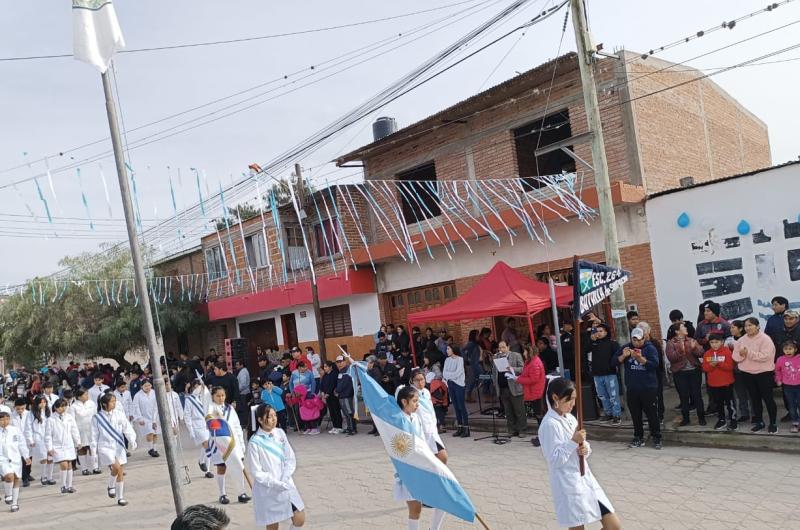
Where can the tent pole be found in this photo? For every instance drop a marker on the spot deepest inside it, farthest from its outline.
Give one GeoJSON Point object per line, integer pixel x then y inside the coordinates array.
{"type": "Point", "coordinates": [530, 328]}
{"type": "Point", "coordinates": [411, 344]}
{"type": "Point", "coordinates": [578, 354]}
{"type": "Point", "coordinates": [556, 324]}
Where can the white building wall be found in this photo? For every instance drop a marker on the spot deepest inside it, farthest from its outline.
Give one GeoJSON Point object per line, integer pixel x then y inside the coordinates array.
{"type": "Point", "coordinates": [569, 238]}
{"type": "Point", "coordinates": [364, 317]}
{"type": "Point", "coordinates": [757, 268]}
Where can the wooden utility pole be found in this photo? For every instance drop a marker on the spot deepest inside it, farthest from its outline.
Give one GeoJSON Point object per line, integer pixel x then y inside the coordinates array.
{"type": "Point", "coordinates": [586, 53]}
{"type": "Point", "coordinates": [304, 224]}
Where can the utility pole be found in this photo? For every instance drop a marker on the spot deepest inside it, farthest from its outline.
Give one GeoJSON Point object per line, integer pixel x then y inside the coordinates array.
{"type": "Point", "coordinates": [304, 224]}
{"type": "Point", "coordinates": [599, 161]}
{"type": "Point", "coordinates": [170, 446]}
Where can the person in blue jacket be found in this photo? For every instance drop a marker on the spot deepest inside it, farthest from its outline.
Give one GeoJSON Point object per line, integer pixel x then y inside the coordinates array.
{"type": "Point", "coordinates": [272, 395]}
{"type": "Point", "coordinates": [640, 362]}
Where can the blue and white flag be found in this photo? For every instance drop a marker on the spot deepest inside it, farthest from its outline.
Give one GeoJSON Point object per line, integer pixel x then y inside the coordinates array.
{"type": "Point", "coordinates": [426, 478]}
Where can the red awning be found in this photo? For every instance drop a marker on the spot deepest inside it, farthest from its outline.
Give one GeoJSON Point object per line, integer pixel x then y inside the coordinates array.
{"type": "Point", "coordinates": [503, 291]}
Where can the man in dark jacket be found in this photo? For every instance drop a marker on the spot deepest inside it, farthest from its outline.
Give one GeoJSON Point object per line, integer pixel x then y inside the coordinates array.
{"type": "Point", "coordinates": [712, 323]}
{"type": "Point", "coordinates": [775, 322]}
{"type": "Point", "coordinates": [221, 377]}
{"type": "Point", "coordinates": [344, 391]}
{"type": "Point", "coordinates": [640, 362]}
{"type": "Point", "coordinates": [388, 376]}
{"type": "Point", "coordinates": [404, 363]}
{"type": "Point", "coordinates": [605, 352]}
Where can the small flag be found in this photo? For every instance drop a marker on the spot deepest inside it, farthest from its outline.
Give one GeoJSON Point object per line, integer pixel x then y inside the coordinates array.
{"type": "Point", "coordinates": [222, 438]}
{"type": "Point", "coordinates": [594, 283]}
{"type": "Point", "coordinates": [96, 33]}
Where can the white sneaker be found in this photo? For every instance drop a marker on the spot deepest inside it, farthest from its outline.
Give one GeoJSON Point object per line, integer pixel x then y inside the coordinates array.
{"type": "Point", "coordinates": [313, 432]}
{"type": "Point", "coordinates": [334, 431]}
{"type": "Point", "coordinates": [306, 431]}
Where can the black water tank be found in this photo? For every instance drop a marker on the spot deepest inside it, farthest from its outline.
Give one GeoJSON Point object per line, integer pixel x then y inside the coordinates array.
{"type": "Point", "coordinates": [383, 127]}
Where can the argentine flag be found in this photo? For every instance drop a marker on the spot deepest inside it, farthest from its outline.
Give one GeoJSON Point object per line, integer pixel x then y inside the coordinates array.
{"type": "Point", "coordinates": [427, 479]}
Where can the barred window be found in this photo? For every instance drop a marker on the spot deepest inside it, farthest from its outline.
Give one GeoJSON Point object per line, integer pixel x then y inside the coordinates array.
{"type": "Point", "coordinates": [336, 321]}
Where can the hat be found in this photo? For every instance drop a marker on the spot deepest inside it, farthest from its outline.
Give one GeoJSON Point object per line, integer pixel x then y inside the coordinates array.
{"type": "Point", "coordinates": [637, 333]}
{"type": "Point", "coordinates": [712, 306]}
{"type": "Point", "coordinates": [339, 358]}
{"type": "Point", "coordinates": [791, 313]}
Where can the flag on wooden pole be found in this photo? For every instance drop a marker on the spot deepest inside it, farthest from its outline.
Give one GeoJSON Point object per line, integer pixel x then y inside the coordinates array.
{"type": "Point", "coordinates": [96, 34]}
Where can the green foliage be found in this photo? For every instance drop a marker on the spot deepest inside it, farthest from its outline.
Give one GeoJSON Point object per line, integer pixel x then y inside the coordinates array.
{"type": "Point", "coordinates": [31, 332]}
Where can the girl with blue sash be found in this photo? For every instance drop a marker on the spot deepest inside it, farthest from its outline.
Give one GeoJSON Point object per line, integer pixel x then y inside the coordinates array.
{"type": "Point", "coordinates": [110, 427]}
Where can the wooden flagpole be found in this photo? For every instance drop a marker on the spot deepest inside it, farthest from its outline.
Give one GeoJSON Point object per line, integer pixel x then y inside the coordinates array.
{"type": "Point", "coordinates": [576, 312]}
{"type": "Point", "coordinates": [480, 520]}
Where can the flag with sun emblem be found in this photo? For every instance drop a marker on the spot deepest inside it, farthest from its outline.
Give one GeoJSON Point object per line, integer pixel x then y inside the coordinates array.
{"type": "Point", "coordinates": [426, 478]}
{"type": "Point", "coordinates": [222, 439]}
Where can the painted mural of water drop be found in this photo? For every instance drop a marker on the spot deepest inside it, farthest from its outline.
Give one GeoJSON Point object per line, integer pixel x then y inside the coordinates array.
{"type": "Point", "coordinates": [683, 220]}
{"type": "Point", "coordinates": [743, 228]}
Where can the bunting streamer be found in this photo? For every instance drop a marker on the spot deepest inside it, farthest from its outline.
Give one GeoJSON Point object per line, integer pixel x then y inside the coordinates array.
{"type": "Point", "coordinates": [44, 201]}
{"type": "Point", "coordinates": [135, 197]}
{"type": "Point", "coordinates": [83, 198]}
{"type": "Point", "coordinates": [105, 190]}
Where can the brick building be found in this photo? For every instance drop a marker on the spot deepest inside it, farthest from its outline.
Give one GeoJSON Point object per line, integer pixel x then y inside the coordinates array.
{"type": "Point", "coordinates": [513, 130]}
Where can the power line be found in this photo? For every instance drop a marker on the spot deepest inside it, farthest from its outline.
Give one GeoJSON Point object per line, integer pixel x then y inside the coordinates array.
{"type": "Point", "coordinates": [248, 39]}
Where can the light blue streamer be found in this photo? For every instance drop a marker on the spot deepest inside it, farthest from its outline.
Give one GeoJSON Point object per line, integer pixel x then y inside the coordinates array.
{"type": "Point", "coordinates": [230, 239]}
{"type": "Point", "coordinates": [322, 226]}
{"type": "Point", "coordinates": [44, 201]}
{"type": "Point", "coordinates": [135, 197]}
{"type": "Point", "coordinates": [341, 224]}
{"type": "Point", "coordinates": [83, 196]}
{"type": "Point", "coordinates": [199, 191]}
{"type": "Point", "coordinates": [273, 204]}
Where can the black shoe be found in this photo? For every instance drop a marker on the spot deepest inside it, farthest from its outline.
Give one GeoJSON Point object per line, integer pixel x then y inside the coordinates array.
{"type": "Point", "coordinates": [657, 444]}
{"type": "Point", "coordinates": [616, 421]}
{"type": "Point", "coordinates": [26, 483]}
{"type": "Point", "coordinates": [153, 453]}
{"type": "Point", "coordinates": [128, 454]}
{"type": "Point", "coordinates": [373, 432]}
{"type": "Point", "coordinates": [351, 433]}
{"type": "Point", "coordinates": [112, 493]}
{"type": "Point", "coordinates": [376, 433]}
{"type": "Point", "coordinates": [14, 508]}
{"type": "Point", "coordinates": [758, 426]}
{"type": "Point", "coordinates": [51, 482]}
{"type": "Point", "coordinates": [702, 421]}
{"type": "Point", "coordinates": [96, 472]}
{"type": "Point", "coordinates": [244, 498]}
{"type": "Point", "coordinates": [535, 441]}
{"type": "Point", "coordinates": [720, 425]}
{"type": "Point", "coordinates": [70, 490]}
{"type": "Point", "coordinates": [209, 474]}
{"type": "Point", "coordinates": [787, 418]}
{"type": "Point", "coordinates": [203, 467]}
{"type": "Point", "coordinates": [224, 499]}
{"type": "Point", "coordinates": [458, 432]}
{"type": "Point", "coordinates": [515, 434]}
{"type": "Point", "coordinates": [122, 502]}
{"type": "Point", "coordinates": [683, 423]}
{"type": "Point", "coordinates": [773, 428]}
{"type": "Point", "coordinates": [86, 472]}
{"type": "Point", "coordinates": [733, 425]}
{"type": "Point", "coordinates": [743, 419]}
{"type": "Point", "coordinates": [637, 442]}
{"type": "Point", "coordinates": [63, 490]}
{"type": "Point", "coordinates": [465, 433]}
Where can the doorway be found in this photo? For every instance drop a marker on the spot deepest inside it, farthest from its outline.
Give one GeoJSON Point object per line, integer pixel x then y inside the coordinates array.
{"type": "Point", "coordinates": [259, 333]}
{"type": "Point", "coordinates": [289, 326]}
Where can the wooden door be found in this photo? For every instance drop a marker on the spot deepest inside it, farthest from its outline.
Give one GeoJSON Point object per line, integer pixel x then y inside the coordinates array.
{"type": "Point", "coordinates": [289, 325]}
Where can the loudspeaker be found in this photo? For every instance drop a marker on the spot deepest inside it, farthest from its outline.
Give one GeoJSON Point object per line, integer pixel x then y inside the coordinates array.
{"type": "Point", "coordinates": [589, 402]}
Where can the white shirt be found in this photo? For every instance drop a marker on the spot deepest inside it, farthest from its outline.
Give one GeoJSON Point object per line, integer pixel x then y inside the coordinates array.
{"type": "Point", "coordinates": [96, 391]}
{"type": "Point", "coordinates": [316, 364]}
{"type": "Point", "coordinates": [454, 370]}
{"type": "Point", "coordinates": [126, 401]}
{"type": "Point", "coordinates": [82, 412]}
{"type": "Point", "coordinates": [20, 421]}
{"type": "Point", "coordinates": [51, 398]}
{"type": "Point", "coordinates": [243, 377]}
{"type": "Point", "coordinates": [12, 445]}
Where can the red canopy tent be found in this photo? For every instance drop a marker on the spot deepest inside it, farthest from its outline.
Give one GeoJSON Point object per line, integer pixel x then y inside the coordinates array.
{"type": "Point", "coordinates": [502, 291]}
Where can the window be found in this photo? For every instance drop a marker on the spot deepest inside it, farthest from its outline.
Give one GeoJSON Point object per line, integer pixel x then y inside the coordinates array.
{"type": "Point", "coordinates": [535, 135]}
{"type": "Point", "coordinates": [428, 295]}
{"type": "Point", "coordinates": [418, 195]}
{"type": "Point", "coordinates": [256, 250]}
{"type": "Point", "coordinates": [436, 293]}
{"type": "Point", "coordinates": [296, 255]}
{"type": "Point", "coordinates": [336, 321]}
{"type": "Point", "coordinates": [325, 236]}
{"type": "Point", "coordinates": [215, 265]}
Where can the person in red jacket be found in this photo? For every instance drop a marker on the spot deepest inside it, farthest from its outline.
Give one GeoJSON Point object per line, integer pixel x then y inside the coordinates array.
{"type": "Point", "coordinates": [532, 380]}
{"type": "Point", "coordinates": [718, 366]}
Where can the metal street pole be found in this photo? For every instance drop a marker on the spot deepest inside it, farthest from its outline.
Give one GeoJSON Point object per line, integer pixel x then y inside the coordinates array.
{"type": "Point", "coordinates": [170, 446]}
{"type": "Point", "coordinates": [301, 192]}
{"type": "Point", "coordinates": [600, 163]}
{"type": "Point", "coordinates": [556, 326]}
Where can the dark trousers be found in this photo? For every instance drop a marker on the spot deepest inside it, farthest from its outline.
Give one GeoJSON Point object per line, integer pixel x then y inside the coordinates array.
{"type": "Point", "coordinates": [282, 419]}
{"type": "Point", "coordinates": [334, 411]}
{"type": "Point", "coordinates": [759, 386]}
{"type": "Point", "coordinates": [660, 396]}
{"type": "Point", "coordinates": [458, 397]}
{"type": "Point", "coordinates": [687, 383]}
{"type": "Point", "coordinates": [791, 393]}
{"type": "Point", "coordinates": [441, 412]}
{"type": "Point", "coordinates": [26, 470]}
{"type": "Point", "coordinates": [644, 402]}
{"type": "Point", "coordinates": [723, 399]}
{"type": "Point", "coordinates": [515, 411]}
{"type": "Point", "coordinates": [742, 396]}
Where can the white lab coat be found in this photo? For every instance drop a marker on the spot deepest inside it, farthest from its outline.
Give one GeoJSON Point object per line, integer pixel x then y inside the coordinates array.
{"type": "Point", "coordinates": [227, 413]}
{"type": "Point", "coordinates": [271, 462]}
{"type": "Point", "coordinates": [575, 497]}
{"type": "Point", "coordinates": [51, 399]}
{"type": "Point", "coordinates": [427, 419]}
{"type": "Point", "coordinates": [194, 415]}
{"type": "Point", "coordinates": [36, 434]}
{"type": "Point", "coordinates": [125, 401]}
{"type": "Point", "coordinates": [83, 411]}
{"type": "Point", "coordinates": [96, 392]}
{"type": "Point", "coordinates": [175, 408]}
{"type": "Point", "coordinates": [12, 450]}
{"type": "Point", "coordinates": [105, 445]}
{"type": "Point", "coordinates": [145, 410]}
{"type": "Point", "coordinates": [20, 422]}
{"type": "Point", "coordinates": [62, 437]}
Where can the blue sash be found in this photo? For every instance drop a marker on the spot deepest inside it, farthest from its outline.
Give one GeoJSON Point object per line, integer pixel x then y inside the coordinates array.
{"type": "Point", "coordinates": [269, 444]}
{"type": "Point", "coordinates": [196, 404]}
{"type": "Point", "coordinates": [103, 422]}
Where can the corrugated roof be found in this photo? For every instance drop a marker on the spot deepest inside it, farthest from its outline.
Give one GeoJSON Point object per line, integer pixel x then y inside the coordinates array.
{"type": "Point", "coordinates": [723, 179]}
{"type": "Point", "coordinates": [507, 89]}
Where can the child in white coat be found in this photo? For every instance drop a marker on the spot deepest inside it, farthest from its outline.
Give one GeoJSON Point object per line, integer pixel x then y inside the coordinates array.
{"type": "Point", "coordinates": [19, 419]}
{"type": "Point", "coordinates": [35, 436]}
{"type": "Point", "coordinates": [194, 416]}
{"type": "Point", "coordinates": [579, 500]}
{"type": "Point", "coordinates": [175, 408]}
{"type": "Point", "coordinates": [219, 409]}
{"type": "Point", "coordinates": [13, 453]}
{"type": "Point", "coordinates": [62, 441]}
{"type": "Point", "coordinates": [110, 429]}
{"type": "Point", "coordinates": [83, 409]}
{"type": "Point", "coordinates": [145, 416]}
{"type": "Point", "coordinates": [271, 462]}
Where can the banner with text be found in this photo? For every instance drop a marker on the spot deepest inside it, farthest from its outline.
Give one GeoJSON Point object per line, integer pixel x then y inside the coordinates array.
{"type": "Point", "coordinates": [594, 283]}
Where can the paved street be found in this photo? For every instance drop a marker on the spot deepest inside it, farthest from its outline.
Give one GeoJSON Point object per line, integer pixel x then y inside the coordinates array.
{"type": "Point", "coordinates": [346, 483]}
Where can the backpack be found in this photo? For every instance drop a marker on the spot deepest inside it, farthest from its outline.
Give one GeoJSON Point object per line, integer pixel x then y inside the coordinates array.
{"type": "Point", "coordinates": [439, 393]}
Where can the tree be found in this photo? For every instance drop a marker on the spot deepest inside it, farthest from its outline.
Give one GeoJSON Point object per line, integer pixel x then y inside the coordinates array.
{"type": "Point", "coordinates": [90, 316]}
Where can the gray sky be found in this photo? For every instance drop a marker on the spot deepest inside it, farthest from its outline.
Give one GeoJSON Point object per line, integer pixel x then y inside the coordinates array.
{"type": "Point", "coordinates": [49, 106]}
